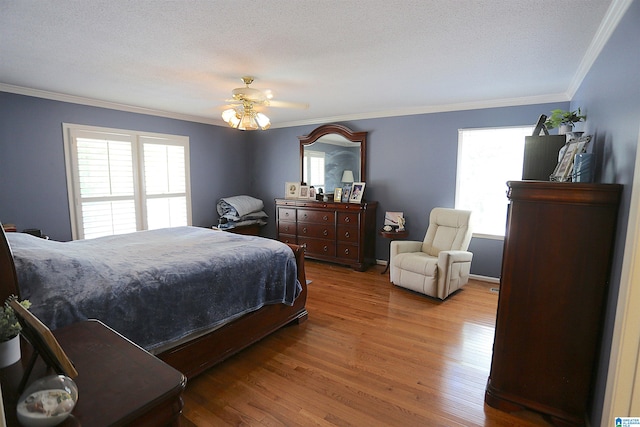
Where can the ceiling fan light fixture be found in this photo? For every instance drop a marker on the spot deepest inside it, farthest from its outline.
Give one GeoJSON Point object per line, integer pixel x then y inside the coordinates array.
{"type": "Point", "coordinates": [246, 119]}
{"type": "Point", "coordinates": [231, 117]}
{"type": "Point", "coordinates": [263, 121]}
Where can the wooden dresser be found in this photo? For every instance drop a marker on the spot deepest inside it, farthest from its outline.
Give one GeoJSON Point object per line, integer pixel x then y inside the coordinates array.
{"type": "Point", "coordinates": [343, 233]}
{"type": "Point", "coordinates": [553, 289]}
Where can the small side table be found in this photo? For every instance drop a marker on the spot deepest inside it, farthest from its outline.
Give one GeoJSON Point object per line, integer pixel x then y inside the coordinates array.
{"type": "Point", "coordinates": [392, 235]}
{"type": "Point", "coordinates": [118, 382]}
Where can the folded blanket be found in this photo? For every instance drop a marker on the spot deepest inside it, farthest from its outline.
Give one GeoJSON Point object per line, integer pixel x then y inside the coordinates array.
{"type": "Point", "coordinates": [236, 207]}
{"type": "Point", "coordinates": [233, 224]}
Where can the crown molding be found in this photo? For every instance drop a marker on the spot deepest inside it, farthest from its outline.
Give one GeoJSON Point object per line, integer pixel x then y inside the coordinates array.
{"type": "Point", "coordinates": [477, 105]}
{"type": "Point", "coordinates": [612, 18]}
{"type": "Point", "coordinates": [506, 102]}
{"type": "Point", "coordinates": [55, 96]}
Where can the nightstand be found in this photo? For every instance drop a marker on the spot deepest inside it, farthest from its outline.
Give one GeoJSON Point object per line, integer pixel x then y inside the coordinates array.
{"type": "Point", "coordinates": [118, 382]}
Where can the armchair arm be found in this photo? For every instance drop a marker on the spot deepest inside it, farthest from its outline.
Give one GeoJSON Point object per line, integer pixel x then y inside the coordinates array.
{"type": "Point", "coordinates": [446, 258]}
{"type": "Point", "coordinates": [402, 246]}
{"type": "Point", "coordinates": [452, 277]}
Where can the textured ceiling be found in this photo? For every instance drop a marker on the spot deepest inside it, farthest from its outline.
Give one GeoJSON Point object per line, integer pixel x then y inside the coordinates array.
{"type": "Point", "coordinates": [347, 59]}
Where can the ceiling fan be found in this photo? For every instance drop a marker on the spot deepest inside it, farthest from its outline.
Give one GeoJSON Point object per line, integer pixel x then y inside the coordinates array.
{"type": "Point", "coordinates": [243, 115]}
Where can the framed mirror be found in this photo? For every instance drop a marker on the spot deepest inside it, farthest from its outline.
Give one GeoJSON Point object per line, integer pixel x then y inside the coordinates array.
{"type": "Point", "coordinates": [330, 151]}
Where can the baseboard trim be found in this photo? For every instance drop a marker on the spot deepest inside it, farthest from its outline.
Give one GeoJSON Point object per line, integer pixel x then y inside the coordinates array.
{"type": "Point", "coordinates": [485, 278]}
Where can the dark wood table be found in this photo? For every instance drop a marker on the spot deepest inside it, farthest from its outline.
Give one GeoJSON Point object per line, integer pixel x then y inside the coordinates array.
{"type": "Point", "coordinates": [392, 235]}
{"type": "Point", "coordinates": [118, 382]}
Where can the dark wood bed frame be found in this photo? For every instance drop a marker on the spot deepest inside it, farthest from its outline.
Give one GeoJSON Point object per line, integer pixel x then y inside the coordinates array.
{"type": "Point", "coordinates": [195, 356]}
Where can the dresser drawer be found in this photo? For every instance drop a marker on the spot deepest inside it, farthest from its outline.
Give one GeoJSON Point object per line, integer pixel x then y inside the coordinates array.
{"type": "Point", "coordinates": [288, 238]}
{"type": "Point", "coordinates": [321, 231]}
{"type": "Point", "coordinates": [348, 218]}
{"type": "Point", "coordinates": [316, 216]}
{"type": "Point", "coordinates": [318, 246]}
{"type": "Point", "coordinates": [286, 227]}
{"type": "Point", "coordinates": [347, 234]}
{"type": "Point", "coordinates": [347, 251]}
{"type": "Point", "coordinates": [286, 214]}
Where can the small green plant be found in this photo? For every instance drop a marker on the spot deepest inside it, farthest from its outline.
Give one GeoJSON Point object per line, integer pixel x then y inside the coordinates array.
{"type": "Point", "coordinates": [561, 117]}
{"type": "Point", "coordinates": [9, 325]}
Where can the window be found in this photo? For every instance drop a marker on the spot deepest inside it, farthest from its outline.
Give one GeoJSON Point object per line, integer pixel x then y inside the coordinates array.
{"type": "Point", "coordinates": [314, 168]}
{"type": "Point", "coordinates": [487, 159]}
{"type": "Point", "coordinates": [123, 181]}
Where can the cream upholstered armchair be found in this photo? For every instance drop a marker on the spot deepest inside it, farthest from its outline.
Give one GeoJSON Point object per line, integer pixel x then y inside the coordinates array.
{"type": "Point", "coordinates": [440, 264]}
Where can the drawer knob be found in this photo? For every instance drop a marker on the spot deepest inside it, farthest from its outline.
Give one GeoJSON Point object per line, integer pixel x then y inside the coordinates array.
{"type": "Point", "coordinates": [347, 235]}
{"type": "Point", "coordinates": [286, 214]}
{"type": "Point", "coordinates": [304, 230]}
{"type": "Point", "coordinates": [346, 251]}
{"type": "Point", "coordinates": [325, 232]}
{"type": "Point", "coordinates": [347, 219]}
{"type": "Point", "coordinates": [305, 216]}
{"type": "Point", "coordinates": [326, 218]}
{"type": "Point", "coordinates": [325, 248]}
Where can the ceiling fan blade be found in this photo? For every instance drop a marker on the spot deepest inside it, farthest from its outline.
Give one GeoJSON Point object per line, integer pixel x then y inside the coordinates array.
{"type": "Point", "coordinates": [285, 104]}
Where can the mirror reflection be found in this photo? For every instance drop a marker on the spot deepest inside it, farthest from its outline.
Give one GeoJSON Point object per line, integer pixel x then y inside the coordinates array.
{"type": "Point", "coordinates": [331, 161]}
{"type": "Point", "coordinates": [332, 155]}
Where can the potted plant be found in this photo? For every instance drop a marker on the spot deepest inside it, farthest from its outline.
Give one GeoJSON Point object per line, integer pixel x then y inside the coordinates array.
{"type": "Point", "coordinates": [564, 120]}
{"type": "Point", "coordinates": [10, 333]}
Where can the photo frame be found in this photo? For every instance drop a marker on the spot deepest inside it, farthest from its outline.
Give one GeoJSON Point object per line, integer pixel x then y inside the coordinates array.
{"type": "Point", "coordinates": [564, 168]}
{"type": "Point", "coordinates": [43, 341]}
{"type": "Point", "coordinates": [312, 193]}
{"type": "Point", "coordinates": [291, 190]}
{"type": "Point", "coordinates": [392, 219]}
{"type": "Point", "coordinates": [304, 192]}
{"type": "Point", "coordinates": [357, 191]}
{"type": "Point", "coordinates": [346, 192]}
{"type": "Point", "coordinates": [337, 194]}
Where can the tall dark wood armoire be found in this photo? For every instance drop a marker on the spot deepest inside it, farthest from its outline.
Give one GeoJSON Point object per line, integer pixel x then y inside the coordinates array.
{"type": "Point", "coordinates": [553, 286]}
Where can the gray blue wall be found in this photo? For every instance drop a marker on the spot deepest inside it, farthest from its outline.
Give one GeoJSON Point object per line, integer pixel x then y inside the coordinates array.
{"type": "Point", "coordinates": [411, 163]}
{"type": "Point", "coordinates": [33, 188]}
{"type": "Point", "coordinates": [411, 167]}
{"type": "Point", "coordinates": [610, 96]}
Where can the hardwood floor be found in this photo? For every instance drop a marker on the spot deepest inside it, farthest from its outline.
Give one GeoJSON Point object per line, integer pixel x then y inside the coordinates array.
{"type": "Point", "coordinates": [371, 354]}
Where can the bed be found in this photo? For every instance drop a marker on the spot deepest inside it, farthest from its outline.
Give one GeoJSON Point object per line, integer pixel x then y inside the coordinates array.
{"type": "Point", "coordinates": [154, 287]}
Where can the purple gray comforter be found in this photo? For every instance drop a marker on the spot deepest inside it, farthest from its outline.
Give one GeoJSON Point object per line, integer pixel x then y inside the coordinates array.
{"type": "Point", "coordinates": [154, 287]}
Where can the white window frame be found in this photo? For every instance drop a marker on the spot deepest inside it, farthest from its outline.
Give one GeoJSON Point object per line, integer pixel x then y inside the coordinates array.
{"type": "Point", "coordinates": [137, 140]}
{"type": "Point", "coordinates": [496, 186]}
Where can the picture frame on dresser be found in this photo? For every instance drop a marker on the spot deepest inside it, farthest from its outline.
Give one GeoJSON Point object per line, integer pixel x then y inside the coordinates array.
{"type": "Point", "coordinates": [304, 192]}
{"type": "Point", "coordinates": [357, 192]}
{"type": "Point", "coordinates": [337, 194]}
{"type": "Point", "coordinates": [291, 190]}
{"type": "Point", "coordinates": [346, 193]}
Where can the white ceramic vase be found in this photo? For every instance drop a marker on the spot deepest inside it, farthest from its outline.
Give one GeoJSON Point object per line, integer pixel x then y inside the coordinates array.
{"type": "Point", "coordinates": [10, 351]}
{"type": "Point", "coordinates": [565, 129]}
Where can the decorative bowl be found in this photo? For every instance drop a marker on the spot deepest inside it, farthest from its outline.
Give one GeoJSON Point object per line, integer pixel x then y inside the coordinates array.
{"type": "Point", "coordinates": [47, 401]}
